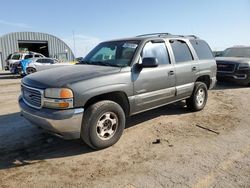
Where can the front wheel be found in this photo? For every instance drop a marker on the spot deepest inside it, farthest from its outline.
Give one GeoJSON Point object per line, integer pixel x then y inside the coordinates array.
{"type": "Point", "coordinates": [30, 70]}
{"type": "Point", "coordinates": [103, 124]}
{"type": "Point", "coordinates": [198, 99]}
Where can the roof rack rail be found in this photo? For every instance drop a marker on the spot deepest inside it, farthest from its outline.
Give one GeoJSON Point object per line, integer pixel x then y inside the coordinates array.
{"type": "Point", "coordinates": [154, 34]}
{"type": "Point", "coordinates": [192, 36]}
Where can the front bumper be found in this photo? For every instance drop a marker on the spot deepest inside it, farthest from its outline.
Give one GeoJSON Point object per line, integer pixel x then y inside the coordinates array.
{"type": "Point", "coordinates": [239, 76]}
{"type": "Point", "coordinates": [62, 123]}
{"type": "Point", "coordinates": [212, 82]}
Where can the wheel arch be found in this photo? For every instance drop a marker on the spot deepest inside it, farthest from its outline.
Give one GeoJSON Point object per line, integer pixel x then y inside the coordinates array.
{"type": "Point", "coordinates": [119, 97]}
{"type": "Point", "coordinates": [205, 79]}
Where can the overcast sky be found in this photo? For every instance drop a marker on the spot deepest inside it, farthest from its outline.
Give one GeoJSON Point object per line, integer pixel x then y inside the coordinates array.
{"type": "Point", "coordinates": [221, 23]}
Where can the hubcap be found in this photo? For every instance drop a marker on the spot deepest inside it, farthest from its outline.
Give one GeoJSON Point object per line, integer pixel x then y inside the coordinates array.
{"type": "Point", "coordinates": [107, 125]}
{"type": "Point", "coordinates": [200, 97]}
{"type": "Point", "coordinates": [30, 71]}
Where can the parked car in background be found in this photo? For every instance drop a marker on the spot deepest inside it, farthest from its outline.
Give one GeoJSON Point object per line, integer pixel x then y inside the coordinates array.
{"type": "Point", "coordinates": [218, 53]}
{"type": "Point", "coordinates": [116, 79]}
{"type": "Point", "coordinates": [17, 57]}
{"type": "Point", "coordinates": [37, 64]}
{"type": "Point", "coordinates": [234, 65]}
{"type": "Point", "coordinates": [29, 66]}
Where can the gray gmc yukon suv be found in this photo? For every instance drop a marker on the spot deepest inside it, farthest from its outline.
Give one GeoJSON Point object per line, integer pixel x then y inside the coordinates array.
{"type": "Point", "coordinates": [118, 78]}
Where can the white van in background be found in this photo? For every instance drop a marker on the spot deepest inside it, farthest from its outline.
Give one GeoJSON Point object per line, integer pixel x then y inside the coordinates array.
{"type": "Point", "coordinates": [18, 56]}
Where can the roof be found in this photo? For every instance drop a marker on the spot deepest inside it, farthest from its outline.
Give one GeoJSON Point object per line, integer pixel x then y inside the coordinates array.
{"type": "Point", "coordinates": [156, 36]}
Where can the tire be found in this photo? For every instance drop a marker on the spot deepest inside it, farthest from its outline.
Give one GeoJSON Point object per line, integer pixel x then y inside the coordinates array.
{"type": "Point", "coordinates": [103, 124]}
{"type": "Point", "coordinates": [30, 70]}
{"type": "Point", "coordinates": [198, 99]}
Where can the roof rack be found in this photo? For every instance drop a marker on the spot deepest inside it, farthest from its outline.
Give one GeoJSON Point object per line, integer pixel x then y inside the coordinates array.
{"type": "Point", "coordinates": [154, 34]}
{"type": "Point", "coordinates": [192, 36]}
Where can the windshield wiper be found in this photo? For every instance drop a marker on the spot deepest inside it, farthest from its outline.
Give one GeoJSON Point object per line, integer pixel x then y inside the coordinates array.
{"type": "Point", "coordinates": [84, 62]}
{"type": "Point", "coordinates": [104, 63]}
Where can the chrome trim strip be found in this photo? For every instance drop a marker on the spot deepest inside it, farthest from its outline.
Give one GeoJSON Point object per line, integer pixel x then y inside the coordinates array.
{"type": "Point", "coordinates": [79, 110]}
{"type": "Point", "coordinates": [239, 77]}
{"type": "Point", "coordinates": [36, 89]}
{"type": "Point", "coordinates": [186, 88]}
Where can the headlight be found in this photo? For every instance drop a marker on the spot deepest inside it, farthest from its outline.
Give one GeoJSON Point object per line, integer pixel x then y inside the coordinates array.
{"type": "Point", "coordinates": [59, 98]}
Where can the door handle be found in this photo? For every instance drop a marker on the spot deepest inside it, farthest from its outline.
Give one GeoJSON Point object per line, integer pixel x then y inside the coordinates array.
{"type": "Point", "coordinates": [171, 73]}
{"type": "Point", "coordinates": [194, 69]}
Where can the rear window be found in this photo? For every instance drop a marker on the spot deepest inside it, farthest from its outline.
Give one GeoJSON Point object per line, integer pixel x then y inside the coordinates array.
{"type": "Point", "coordinates": [9, 57]}
{"type": "Point", "coordinates": [202, 49]}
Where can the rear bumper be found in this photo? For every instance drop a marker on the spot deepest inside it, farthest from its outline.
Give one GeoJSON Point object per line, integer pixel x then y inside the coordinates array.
{"type": "Point", "coordinates": [62, 123]}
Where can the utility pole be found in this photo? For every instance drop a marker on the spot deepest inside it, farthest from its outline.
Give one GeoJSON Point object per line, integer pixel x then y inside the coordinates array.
{"type": "Point", "coordinates": [74, 42]}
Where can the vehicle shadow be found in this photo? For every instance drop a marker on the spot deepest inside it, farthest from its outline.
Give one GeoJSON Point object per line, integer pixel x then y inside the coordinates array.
{"type": "Point", "coordinates": [35, 145]}
{"type": "Point", "coordinates": [8, 75]}
{"type": "Point", "coordinates": [171, 109]}
{"type": "Point", "coordinates": [227, 85]}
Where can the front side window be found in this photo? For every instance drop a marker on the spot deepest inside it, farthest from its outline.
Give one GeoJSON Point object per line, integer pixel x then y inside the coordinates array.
{"type": "Point", "coordinates": [156, 50]}
{"type": "Point", "coordinates": [181, 51]}
{"type": "Point", "coordinates": [114, 53]}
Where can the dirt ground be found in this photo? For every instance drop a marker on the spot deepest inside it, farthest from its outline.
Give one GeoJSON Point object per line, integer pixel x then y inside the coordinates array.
{"type": "Point", "coordinates": [210, 148]}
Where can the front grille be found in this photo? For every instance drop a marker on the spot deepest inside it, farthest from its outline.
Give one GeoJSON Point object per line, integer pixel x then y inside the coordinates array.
{"type": "Point", "coordinates": [226, 67]}
{"type": "Point", "coordinates": [32, 96]}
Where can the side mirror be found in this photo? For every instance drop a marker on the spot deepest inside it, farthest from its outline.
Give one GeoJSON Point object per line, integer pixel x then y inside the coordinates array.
{"type": "Point", "coordinates": [148, 62]}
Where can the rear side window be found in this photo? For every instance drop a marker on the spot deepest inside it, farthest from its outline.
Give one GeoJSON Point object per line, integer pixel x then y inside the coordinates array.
{"type": "Point", "coordinates": [181, 51]}
{"type": "Point", "coordinates": [50, 61]}
{"type": "Point", "coordinates": [16, 57]}
{"type": "Point", "coordinates": [40, 60]}
{"type": "Point", "coordinates": [202, 49]}
{"type": "Point", "coordinates": [28, 56]}
{"type": "Point", "coordinates": [157, 50]}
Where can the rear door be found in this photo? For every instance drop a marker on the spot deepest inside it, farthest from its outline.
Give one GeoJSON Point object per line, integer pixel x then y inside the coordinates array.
{"type": "Point", "coordinates": [154, 86]}
{"type": "Point", "coordinates": [185, 67]}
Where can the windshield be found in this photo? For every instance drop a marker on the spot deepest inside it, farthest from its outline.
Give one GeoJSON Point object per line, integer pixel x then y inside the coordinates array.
{"type": "Point", "coordinates": [237, 52]}
{"type": "Point", "coordinates": [115, 53]}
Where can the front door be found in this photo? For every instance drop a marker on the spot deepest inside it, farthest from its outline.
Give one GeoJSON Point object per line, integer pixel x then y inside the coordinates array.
{"type": "Point", "coordinates": [154, 86]}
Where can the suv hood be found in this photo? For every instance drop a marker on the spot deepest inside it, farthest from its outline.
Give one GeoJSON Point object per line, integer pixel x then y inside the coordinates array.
{"type": "Point", "coordinates": [234, 60]}
{"type": "Point", "coordinates": [65, 75]}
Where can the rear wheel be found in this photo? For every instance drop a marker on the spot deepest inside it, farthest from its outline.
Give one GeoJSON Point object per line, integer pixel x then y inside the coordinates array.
{"type": "Point", "coordinates": [30, 70]}
{"type": "Point", "coordinates": [198, 99]}
{"type": "Point", "coordinates": [103, 124]}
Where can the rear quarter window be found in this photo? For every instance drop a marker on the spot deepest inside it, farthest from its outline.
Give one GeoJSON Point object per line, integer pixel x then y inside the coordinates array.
{"type": "Point", "coordinates": [181, 51]}
{"type": "Point", "coordinates": [202, 49]}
